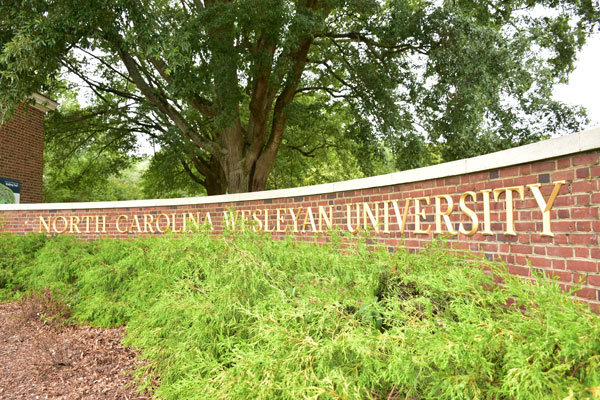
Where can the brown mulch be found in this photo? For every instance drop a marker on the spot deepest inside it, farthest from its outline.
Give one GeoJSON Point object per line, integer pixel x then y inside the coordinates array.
{"type": "Point", "coordinates": [41, 360]}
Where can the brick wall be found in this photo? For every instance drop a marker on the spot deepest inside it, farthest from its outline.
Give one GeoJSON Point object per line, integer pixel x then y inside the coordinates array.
{"type": "Point", "coordinates": [21, 152]}
{"type": "Point", "coordinates": [564, 247]}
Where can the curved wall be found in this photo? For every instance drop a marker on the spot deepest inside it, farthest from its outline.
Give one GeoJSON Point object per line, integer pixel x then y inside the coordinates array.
{"type": "Point", "coordinates": [534, 207]}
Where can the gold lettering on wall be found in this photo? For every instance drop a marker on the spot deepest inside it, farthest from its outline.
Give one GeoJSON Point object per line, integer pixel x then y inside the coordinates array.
{"type": "Point", "coordinates": [309, 220]}
{"type": "Point", "coordinates": [229, 218]}
{"type": "Point", "coordinates": [135, 225]}
{"type": "Point", "coordinates": [420, 214]}
{"type": "Point", "coordinates": [386, 217]}
{"type": "Point", "coordinates": [44, 226]}
{"type": "Point", "coordinates": [86, 219]}
{"type": "Point", "coordinates": [544, 206]}
{"type": "Point", "coordinates": [280, 220]}
{"type": "Point", "coordinates": [118, 223]}
{"type": "Point", "coordinates": [470, 213]}
{"type": "Point", "coordinates": [349, 218]}
{"type": "Point", "coordinates": [323, 217]}
{"type": "Point", "coordinates": [194, 222]}
{"type": "Point", "coordinates": [161, 228]}
{"type": "Point", "coordinates": [64, 223]}
{"type": "Point", "coordinates": [208, 220]}
{"type": "Point", "coordinates": [401, 223]}
{"type": "Point", "coordinates": [174, 224]}
{"type": "Point", "coordinates": [439, 214]}
{"type": "Point", "coordinates": [374, 219]}
{"type": "Point", "coordinates": [243, 215]}
{"type": "Point", "coordinates": [148, 220]}
{"type": "Point", "coordinates": [378, 216]}
{"type": "Point", "coordinates": [295, 216]}
{"type": "Point", "coordinates": [101, 222]}
{"type": "Point", "coordinates": [266, 225]}
{"type": "Point", "coordinates": [487, 219]}
{"type": "Point", "coordinates": [74, 224]}
{"type": "Point", "coordinates": [510, 222]}
{"type": "Point", "coordinates": [258, 226]}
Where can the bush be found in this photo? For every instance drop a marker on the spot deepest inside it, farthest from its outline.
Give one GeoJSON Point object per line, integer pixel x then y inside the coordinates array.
{"type": "Point", "coordinates": [244, 316]}
{"type": "Point", "coordinates": [16, 256]}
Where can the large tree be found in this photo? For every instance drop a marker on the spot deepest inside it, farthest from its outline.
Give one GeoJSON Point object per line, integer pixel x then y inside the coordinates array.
{"type": "Point", "coordinates": [217, 80]}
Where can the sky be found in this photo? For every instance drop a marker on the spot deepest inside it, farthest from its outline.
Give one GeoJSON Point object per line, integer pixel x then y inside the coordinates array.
{"type": "Point", "coordinates": [584, 83]}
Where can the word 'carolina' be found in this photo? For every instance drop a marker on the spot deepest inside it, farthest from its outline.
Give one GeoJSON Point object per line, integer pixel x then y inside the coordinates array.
{"type": "Point", "coordinates": [381, 217]}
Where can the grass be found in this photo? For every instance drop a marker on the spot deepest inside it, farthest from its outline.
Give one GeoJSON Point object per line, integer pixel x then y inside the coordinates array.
{"type": "Point", "coordinates": [246, 317]}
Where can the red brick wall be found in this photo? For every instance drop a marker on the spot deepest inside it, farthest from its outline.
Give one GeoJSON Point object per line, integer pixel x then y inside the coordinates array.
{"type": "Point", "coordinates": [21, 152]}
{"type": "Point", "coordinates": [572, 255]}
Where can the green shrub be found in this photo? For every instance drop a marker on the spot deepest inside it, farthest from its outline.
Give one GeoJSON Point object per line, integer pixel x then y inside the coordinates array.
{"type": "Point", "coordinates": [16, 256]}
{"type": "Point", "coordinates": [244, 316]}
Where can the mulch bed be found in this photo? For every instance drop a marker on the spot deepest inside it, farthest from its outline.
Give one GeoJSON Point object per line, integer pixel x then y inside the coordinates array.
{"type": "Point", "coordinates": [40, 360]}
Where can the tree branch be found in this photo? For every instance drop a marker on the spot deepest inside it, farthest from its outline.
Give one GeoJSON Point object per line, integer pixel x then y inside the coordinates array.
{"type": "Point", "coordinates": [329, 91]}
{"type": "Point", "coordinates": [359, 37]}
{"type": "Point", "coordinates": [97, 87]}
{"type": "Point", "coordinates": [189, 171]}
{"type": "Point", "coordinates": [201, 104]}
{"type": "Point", "coordinates": [259, 104]}
{"type": "Point", "coordinates": [266, 159]}
{"type": "Point", "coordinates": [160, 101]}
{"type": "Point", "coordinates": [307, 153]}
{"type": "Point", "coordinates": [103, 62]}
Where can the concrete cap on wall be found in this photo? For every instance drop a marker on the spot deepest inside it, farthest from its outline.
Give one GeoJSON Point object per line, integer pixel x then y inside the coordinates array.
{"type": "Point", "coordinates": [43, 103]}
{"type": "Point", "coordinates": [552, 148]}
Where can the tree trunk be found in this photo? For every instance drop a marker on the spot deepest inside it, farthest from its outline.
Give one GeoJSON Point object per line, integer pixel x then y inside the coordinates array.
{"type": "Point", "coordinates": [214, 187]}
{"type": "Point", "coordinates": [260, 174]}
{"type": "Point", "coordinates": [231, 177]}
{"type": "Point", "coordinates": [232, 161]}
{"type": "Point", "coordinates": [238, 180]}
{"type": "Point", "coordinates": [216, 183]}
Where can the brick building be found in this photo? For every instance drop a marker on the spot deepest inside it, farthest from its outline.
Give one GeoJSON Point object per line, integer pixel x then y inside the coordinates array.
{"type": "Point", "coordinates": [22, 148]}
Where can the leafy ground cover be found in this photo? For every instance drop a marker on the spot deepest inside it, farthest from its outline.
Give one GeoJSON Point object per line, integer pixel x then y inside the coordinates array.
{"type": "Point", "coordinates": [243, 316]}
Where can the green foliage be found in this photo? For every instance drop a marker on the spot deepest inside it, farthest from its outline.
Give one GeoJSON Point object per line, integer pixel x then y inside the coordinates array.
{"type": "Point", "coordinates": [87, 157]}
{"type": "Point", "coordinates": [165, 177]}
{"type": "Point", "coordinates": [16, 255]}
{"type": "Point", "coordinates": [218, 82]}
{"type": "Point", "coordinates": [82, 179]}
{"type": "Point", "coordinates": [326, 143]}
{"type": "Point", "coordinates": [244, 316]}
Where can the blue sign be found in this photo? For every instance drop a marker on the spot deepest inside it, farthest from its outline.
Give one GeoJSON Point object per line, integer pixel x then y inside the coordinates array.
{"type": "Point", "coordinates": [10, 191]}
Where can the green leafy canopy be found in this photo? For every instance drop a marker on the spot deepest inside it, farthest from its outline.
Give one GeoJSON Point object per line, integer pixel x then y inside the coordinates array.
{"type": "Point", "coordinates": [217, 82]}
